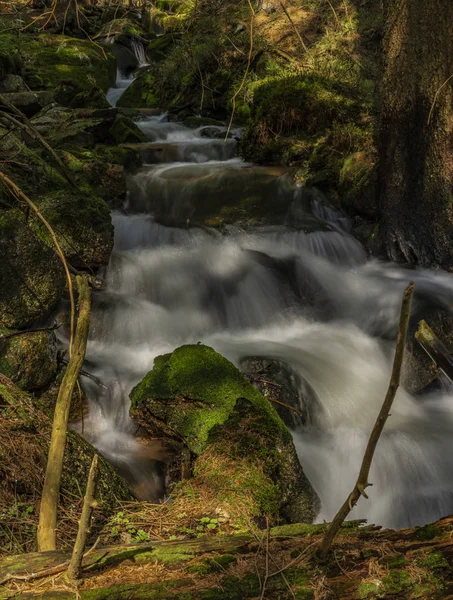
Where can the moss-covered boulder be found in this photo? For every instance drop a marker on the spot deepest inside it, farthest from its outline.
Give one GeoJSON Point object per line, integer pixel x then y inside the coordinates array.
{"type": "Point", "coordinates": [31, 276]}
{"type": "Point", "coordinates": [142, 93]}
{"type": "Point", "coordinates": [82, 223]}
{"type": "Point", "coordinates": [28, 359]}
{"type": "Point", "coordinates": [244, 458]}
{"type": "Point", "coordinates": [124, 131]}
{"type": "Point", "coordinates": [93, 98]}
{"type": "Point", "coordinates": [50, 60]}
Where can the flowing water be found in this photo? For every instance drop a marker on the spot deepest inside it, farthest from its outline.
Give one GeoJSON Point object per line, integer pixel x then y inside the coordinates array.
{"type": "Point", "coordinates": [125, 76]}
{"type": "Point", "coordinates": [304, 295]}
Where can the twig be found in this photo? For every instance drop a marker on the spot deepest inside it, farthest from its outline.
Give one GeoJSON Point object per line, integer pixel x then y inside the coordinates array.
{"type": "Point", "coordinates": [435, 97]}
{"type": "Point", "coordinates": [296, 31]}
{"type": "Point", "coordinates": [86, 374]}
{"type": "Point", "coordinates": [362, 480]}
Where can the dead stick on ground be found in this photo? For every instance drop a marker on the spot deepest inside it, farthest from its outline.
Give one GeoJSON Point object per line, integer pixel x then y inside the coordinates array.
{"type": "Point", "coordinates": [362, 480]}
{"type": "Point", "coordinates": [19, 195]}
{"type": "Point", "coordinates": [51, 489]}
{"type": "Point", "coordinates": [266, 575]}
{"type": "Point", "coordinates": [296, 31]}
{"type": "Point", "coordinates": [89, 503]}
{"type": "Point", "coordinates": [434, 348]}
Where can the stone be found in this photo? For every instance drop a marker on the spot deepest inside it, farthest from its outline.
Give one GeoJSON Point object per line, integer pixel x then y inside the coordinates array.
{"type": "Point", "coordinates": [244, 456]}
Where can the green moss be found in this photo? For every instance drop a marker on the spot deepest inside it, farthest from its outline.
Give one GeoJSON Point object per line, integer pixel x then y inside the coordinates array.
{"type": "Point", "coordinates": [434, 561]}
{"type": "Point", "coordinates": [125, 131]}
{"type": "Point", "coordinates": [245, 459]}
{"type": "Point", "coordinates": [142, 93]}
{"type": "Point", "coordinates": [368, 590]}
{"type": "Point", "coordinates": [50, 60]}
{"type": "Point", "coordinates": [199, 375]}
{"type": "Point", "coordinates": [428, 532]}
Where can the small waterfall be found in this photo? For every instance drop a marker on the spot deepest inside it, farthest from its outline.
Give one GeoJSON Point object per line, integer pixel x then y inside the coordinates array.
{"type": "Point", "coordinates": [303, 294]}
{"type": "Point", "coordinates": [139, 52]}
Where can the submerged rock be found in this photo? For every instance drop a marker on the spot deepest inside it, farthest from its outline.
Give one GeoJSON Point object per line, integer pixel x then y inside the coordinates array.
{"type": "Point", "coordinates": [31, 278]}
{"type": "Point", "coordinates": [243, 456]}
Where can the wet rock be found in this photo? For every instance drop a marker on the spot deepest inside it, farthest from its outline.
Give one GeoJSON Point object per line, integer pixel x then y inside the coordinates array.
{"type": "Point", "coordinates": [283, 387]}
{"type": "Point", "coordinates": [240, 452]}
{"type": "Point", "coordinates": [419, 371]}
{"type": "Point", "coordinates": [29, 359]}
{"type": "Point", "coordinates": [207, 195]}
{"type": "Point", "coordinates": [31, 278]}
{"type": "Point", "coordinates": [196, 122]}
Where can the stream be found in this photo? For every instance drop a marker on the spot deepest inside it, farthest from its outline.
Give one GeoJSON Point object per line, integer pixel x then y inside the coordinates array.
{"type": "Point", "coordinates": [302, 293]}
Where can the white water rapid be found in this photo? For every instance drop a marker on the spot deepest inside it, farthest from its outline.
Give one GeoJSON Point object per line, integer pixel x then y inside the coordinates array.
{"type": "Point", "coordinates": [301, 292]}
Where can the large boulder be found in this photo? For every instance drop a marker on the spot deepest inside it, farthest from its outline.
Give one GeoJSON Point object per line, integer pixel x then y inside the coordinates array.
{"type": "Point", "coordinates": [31, 276]}
{"type": "Point", "coordinates": [143, 91]}
{"type": "Point", "coordinates": [243, 458]}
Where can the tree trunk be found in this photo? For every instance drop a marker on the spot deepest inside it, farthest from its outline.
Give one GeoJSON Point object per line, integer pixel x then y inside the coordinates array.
{"type": "Point", "coordinates": [51, 490]}
{"type": "Point", "coordinates": [416, 134]}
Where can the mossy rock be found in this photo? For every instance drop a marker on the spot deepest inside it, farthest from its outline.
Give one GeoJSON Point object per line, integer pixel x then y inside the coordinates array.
{"type": "Point", "coordinates": [31, 277]}
{"type": "Point", "coordinates": [29, 359]}
{"type": "Point", "coordinates": [50, 60]}
{"type": "Point", "coordinates": [358, 194]}
{"type": "Point", "coordinates": [142, 93]}
{"type": "Point", "coordinates": [124, 131]}
{"type": "Point", "coordinates": [244, 453]}
{"type": "Point", "coordinates": [93, 98]}
{"type": "Point", "coordinates": [82, 223]}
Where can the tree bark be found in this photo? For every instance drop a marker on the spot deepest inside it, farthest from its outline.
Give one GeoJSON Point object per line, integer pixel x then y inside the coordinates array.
{"type": "Point", "coordinates": [416, 132]}
{"type": "Point", "coordinates": [51, 490]}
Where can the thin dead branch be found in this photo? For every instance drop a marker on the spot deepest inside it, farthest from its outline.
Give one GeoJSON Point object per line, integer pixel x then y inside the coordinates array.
{"type": "Point", "coordinates": [362, 480]}
{"type": "Point", "coordinates": [89, 503]}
